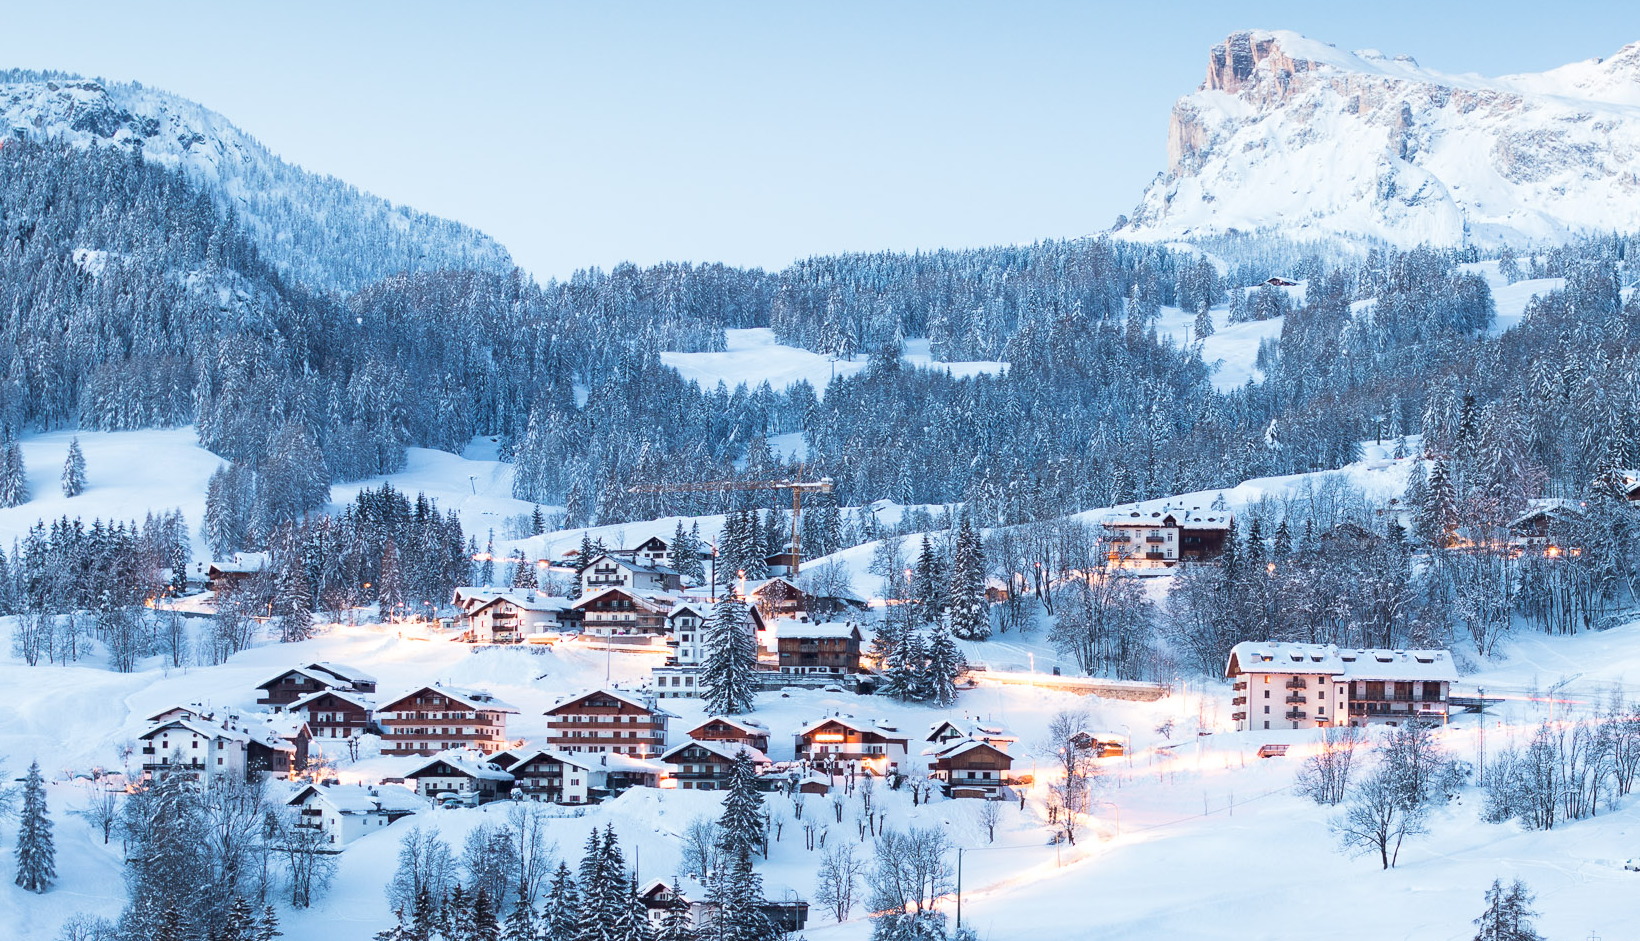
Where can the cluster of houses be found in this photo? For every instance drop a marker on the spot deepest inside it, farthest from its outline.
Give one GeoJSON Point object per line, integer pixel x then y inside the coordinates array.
{"type": "Point", "coordinates": [1279, 685]}
{"type": "Point", "coordinates": [633, 599]}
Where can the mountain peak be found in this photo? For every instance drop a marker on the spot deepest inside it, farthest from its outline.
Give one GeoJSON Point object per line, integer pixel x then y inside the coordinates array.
{"type": "Point", "coordinates": [1291, 133]}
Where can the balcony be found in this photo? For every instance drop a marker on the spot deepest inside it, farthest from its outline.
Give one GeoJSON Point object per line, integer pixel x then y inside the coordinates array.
{"type": "Point", "coordinates": [1297, 714]}
{"type": "Point", "coordinates": [1296, 697]}
{"type": "Point", "coordinates": [1298, 682]}
{"type": "Point", "coordinates": [1239, 701]}
{"type": "Point", "coordinates": [1155, 540]}
{"type": "Point", "coordinates": [1240, 685]}
{"type": "Point", "coordinates": [1238, 716]}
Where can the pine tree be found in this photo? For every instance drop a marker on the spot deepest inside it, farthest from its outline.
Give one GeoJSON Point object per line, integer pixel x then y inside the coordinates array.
{"type": "Point", "coordinates": [13, 477]}
{"type": "Point", "coordinates": [1204, 320]}
{"type": "Point", "coordinates": [459, 924]}
{"type": "Point", "coordinates": [74, 470]}
{"type": "Point", "coordinates": [36, 856]}
{"type": "Point", "coordinates": [520, 924]}
{"type": "Point", "coordinates": [558, 913]}
{"type": "Point", "coordinates": [737, 903]}
{"type": "Point", "coordinates": [742, 825]}
{"type": "Point", "coordinates": [926, 584]}
{"type": "Point", "coordinates": [903, 673]}
{"type": "Point", "coordinates": [1508, 915]}
{"type": "Point", "coordinates": [523, 571]}
{"type": "Point", "coordinates": [945, 664]}
{"type": "Point", "coordinates": [240, 924]}
{"type": "Point", "coordinates": [486, 564]}
{"type": "Point", "coordinates": [969, 619]}
{"type": "Point", "coordinates": [728, 676]}
{"type": "Point", "coordinates": [485, 927]}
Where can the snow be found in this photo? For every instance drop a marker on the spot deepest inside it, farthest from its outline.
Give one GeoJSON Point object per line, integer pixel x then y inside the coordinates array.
{"type": "Point", "coordinates": [1363, 145]}
{"type": "Point", "coordinates": [754, 357]}
{"type": "Point", "coordinates": [1231, 352]}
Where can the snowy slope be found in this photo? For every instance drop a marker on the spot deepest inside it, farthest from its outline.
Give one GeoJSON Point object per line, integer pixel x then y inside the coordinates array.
{"type": "Point", "coordinates": [753, 357]}
{"type": "Point", "coordinates": [1292, 135]}
{"type": "Point", "coordinates": [327, 233]}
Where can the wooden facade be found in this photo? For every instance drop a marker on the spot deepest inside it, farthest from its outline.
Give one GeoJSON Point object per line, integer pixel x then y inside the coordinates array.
{"type": "Point", "coordinates": [971, 769]}
{"type": "Point", "coordinates": [433, 719]}
{"type": "Point", "coordinates": [604, 721]}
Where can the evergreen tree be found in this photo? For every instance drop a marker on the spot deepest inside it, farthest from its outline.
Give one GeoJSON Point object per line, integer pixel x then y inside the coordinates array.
{"type": "Point", "coordinates": [945, 664]}
{"type": "Point", "coordinates": [523, 570]}
{"type": "Point", "coordinates": [728, 675]}
{"type": "Point", "coordinates": [74, 470]}
{"type": "Point", "coordinates": [240, 925]}
{"type": "Point", "coordinates": [1508, 915]}
{"type": "Point", "coordinates": [969, 619]}
{"type": "Point", "coordinates": [903, 674]}
{"type": "Point", "coordinates": [1204, 320]}
{"type": "Point", "coordinates": [558, 913]}
{"type": "Point", "coordinates": [737, 901]}
{"type": "Point", "coordinates": [520, 924]}
{"type": "Point", "coordinates": [267, 928]}
{"type": "Point", "coordinates": [485, 927]}
{"type": "Point", "coordinates": [13, 477]}
{"type": "Point", "coordinates": [486, 564]}
{"type": "Point", "coordinates": [927, 584]}
{"type": "Point", "coordinates": [742, 825]}
{"type": "Point", "coordinates": [36, 856]}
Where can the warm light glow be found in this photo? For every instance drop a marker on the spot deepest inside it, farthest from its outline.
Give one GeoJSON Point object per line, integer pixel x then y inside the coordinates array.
{"type": "Point", "coordinates": [829, 737]}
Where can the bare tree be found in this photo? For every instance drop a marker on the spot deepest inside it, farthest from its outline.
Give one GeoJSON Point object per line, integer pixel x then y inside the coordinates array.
{"type": "Point", "coordinates": [1325, 776]}
{"type": "Point", "coordinates": [308, 859]}
{"type": "Point", "coordinates": [102, 810]}
{"type": "Point", "coordinates": [527, 821]}
{"type": "Point", "coordinates": [425, 864]}
{"type": "Point", "coordinates": [1377, 818]}
{"type": "Point", "coordinates": [838, 879]}
{"type": "Point", "coordinates": [911, 870]}
{"type": "Point", "coordinates": [700, 848]}
{"type": "Point", "coordinates": [989, 814]}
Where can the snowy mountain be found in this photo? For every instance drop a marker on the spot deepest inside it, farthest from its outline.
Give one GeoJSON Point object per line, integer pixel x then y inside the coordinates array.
{"type": "Point", "coordinates": [319, 229]}
{"type": "Point", "coordinates": [1294, 136]}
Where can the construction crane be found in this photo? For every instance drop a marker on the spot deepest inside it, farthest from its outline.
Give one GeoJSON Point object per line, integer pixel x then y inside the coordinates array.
{"type": "Point", "coordinates": [797, 487]}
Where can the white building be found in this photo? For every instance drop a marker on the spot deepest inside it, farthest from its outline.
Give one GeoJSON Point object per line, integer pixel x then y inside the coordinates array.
{"type": "Point", "coordinates": [1305, 686]}
{"type": "Point", "coordinates": [465, 772]}
{"type": "Point", "coordinates": [609, 571]}
{"type": "Point", "coordinates": [513, 616]}
{"type": "Point", "coordinates": [345, 812]}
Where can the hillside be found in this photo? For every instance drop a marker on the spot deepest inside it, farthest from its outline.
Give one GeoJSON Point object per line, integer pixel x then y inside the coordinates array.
{"type": "Point", "coordinates": [1287, 133]}
{"type": "Point", "coordinates": [315, 229]}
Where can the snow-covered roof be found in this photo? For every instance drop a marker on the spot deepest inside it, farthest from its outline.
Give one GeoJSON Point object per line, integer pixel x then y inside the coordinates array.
{"type": "Point", "coordinates": [962, 746]}
{"type": "Point", "coordinates": [242, 563]}
{"type": "Point", "coordinates": [628, 698]}
{"type": "Point", "coordinates": [858, 725]}
{"type": "Point", "coordinates": [528, 753]}
{"type": "Point", "coordinates": [527, 599]}
{"type": "Point", "coordinates": [344, 695]}
{"type": "Point", "coordinates": [362, 799]}
{"type": "Point", "coordinates": [1344, 663]}
{"type": "Point", "coordinates": [475, 699]}
{"type": "Point", "coordinates": [968, 728]}
{"type": "Point", "coordinates": [628, 763]}
{"type": "Point", "coordinates": [466, 761]}
{"type": "Point", "coordinates": [1553, 508]}
{"type": "Point", "coordinates": [641, 568]}
{"type": "Point", "coordinates": [330, 674]}
{"type": "Point", "coordinates": [698, 607]}
{"type": "Point", "coordinates": [804, 628]}
{"type": "Point", "coordinates": [751, 726]}
{"type": "Point", "coordinates": [649, 601]}
{"type": "Point", "coordinates": [728, 750]}
{"type": "Point", "coordinates": [1154, 512]}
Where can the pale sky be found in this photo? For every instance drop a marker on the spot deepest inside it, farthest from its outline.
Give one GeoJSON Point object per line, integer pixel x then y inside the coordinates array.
{"type": "Point", "coordinates": [749, 133]}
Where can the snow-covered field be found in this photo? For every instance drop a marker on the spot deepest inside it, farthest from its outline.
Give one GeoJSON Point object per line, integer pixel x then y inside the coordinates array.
{"type": "Point", "coordinates": [753, 357]}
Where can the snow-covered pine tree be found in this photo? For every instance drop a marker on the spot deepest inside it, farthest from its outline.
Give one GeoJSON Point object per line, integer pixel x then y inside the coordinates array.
{"type": "Point", "coordinates": [728, 673]}
{"type": "Point", "coordinates": [685, 552]}
{"type": "Point", "coordinates": [903, 675]}
{"type": "Point", "coordinates": [1204, 320]}
{"type": "Point", "coordinates": [1508, 915]}
{"type": "Point", "coordinates": [926, 588]}
{"type": "Point", "coordinates": [74, 470]}
{"type": "Point", "coordinates": [520, 923]}
{"type": "Point", "coordinates": [969, 618]}
{"type": "Point", "coordinates": [294, 599]}
{"type": "Point", "coordinates": [523, 571]}
{"type": "Point", "coordinates": [485, 926]}
{"type": "Point", "coordinates": [240, 923]}
{"type": "Point", "coordinates": [486, 563]}
{"type": "Point", "coordinates": [742, 826]}
{"type": "Point", "coordinates": [602, 887]}
{"type": "Point", "coordinates": [558, 912]}
{"type": "Point", "coordinates": [945, 664]}
{"type": "Point", "coordinates": [36, 855]}
{"type": "Point", "coordinates": [737, 898]}
{"type": "Point", "coordinates": [390, 590]}
{"type": "Point", "coordinates": [13, 477]}
{"type": "Point", "coordinates": [458, 915]}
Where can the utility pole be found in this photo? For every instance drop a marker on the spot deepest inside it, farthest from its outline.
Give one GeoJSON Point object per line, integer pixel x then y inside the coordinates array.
{"type": "Point", "coordinates": [1480, 758]}
{"type": "Point", "coordinates": [959, 889]}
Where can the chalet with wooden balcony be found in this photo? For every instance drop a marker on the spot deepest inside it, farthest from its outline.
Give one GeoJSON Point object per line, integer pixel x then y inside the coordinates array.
{"type": "Point", "coordinates": [1549, 527]}
{"type": "Point", "coordinates": [305, 680]}
{"type": "Point", "coordinates": [971, 768]}
{"type": "Point", "coordinates": [545, 774]}
{"type": "Point", "coordinates": [224, 575]}
{"type": "Point", "coordinates": [806, 647]}
{"type": "Point", "coordinates": [1152, 538]}
{"type": "Point", "coordinates": [346, 812]}
{"type": "Point", "coordinates": [704, 766]}
{"type": "Point", "coordinates": [622, 611]}
{"type": "Point", "coordinates": [784, 909]}
{"type": "Point", "coordinates": [437, 718]}
{"type": "Point", "coordinates": [605, 721]}
{"type": "Point", "coordinates": [1301, 686]}
{"type": "Point", "coordinates": [946, 731]}
{"type": "Point", "coordinates": [208, 745]}
{"type": "Point", "coordinates": [511, 617]}
{"type": "Point", "coordinates": [463, 772]}
{"type": "Point", "coordinates": [612, 571]}
{"type": "Point", "coordinates": [333, 714]}
{"type": "Point", "coordinates": [732, 730]}
{"type": "Point", "coordinates": [839, 742]}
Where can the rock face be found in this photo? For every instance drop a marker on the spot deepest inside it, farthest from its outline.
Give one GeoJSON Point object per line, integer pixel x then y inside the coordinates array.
{"type": "Point", "coordinates": [1293, 136]}
{"type": "Point", "coordinates": [323, 231]}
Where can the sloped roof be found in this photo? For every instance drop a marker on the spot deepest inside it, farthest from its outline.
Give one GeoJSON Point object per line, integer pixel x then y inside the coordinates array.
{"type": "Point", "coordinates": [1346, 663]}
{"type": "Point", "coordinates": [751, 726]}
{"type": "Point", "coordinates": [242, 563]}
{"type": "Point", "coordinates": [644, 568]}
{"type": "Point", "coordinates": [528, 600]}
{"type": "Point", "coordinates": [651, 602]}
{"type": "Point", "coordinates": [356, 699]}
{"type": "Point", "coordinates": [1153, 512]}
{"type": "Point", "coordinates": [627, 698]}
{"type": "Point", "coordinates": [1554, 509]}
{"type": "Point", "coordinates": [963, 746]}
{"type": "Point", "coordinates": [728, 750]}
{"type": "Point", "coordinates": [795, 627]}
{"type": "Point", "coordinates": [527, 754]}
{"type": "Point", "coordinates": [857, 725]}
{"type": "Point", "coordinates": [465, 761]}
{"type": "Point", "coordinates": [475, 699]}
{"type": "Point", "coordinates": [362, 799]}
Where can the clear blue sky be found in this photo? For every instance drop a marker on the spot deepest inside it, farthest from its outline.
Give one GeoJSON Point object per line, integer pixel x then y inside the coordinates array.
{"type": "Point", "coordinates": [751, 133]}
